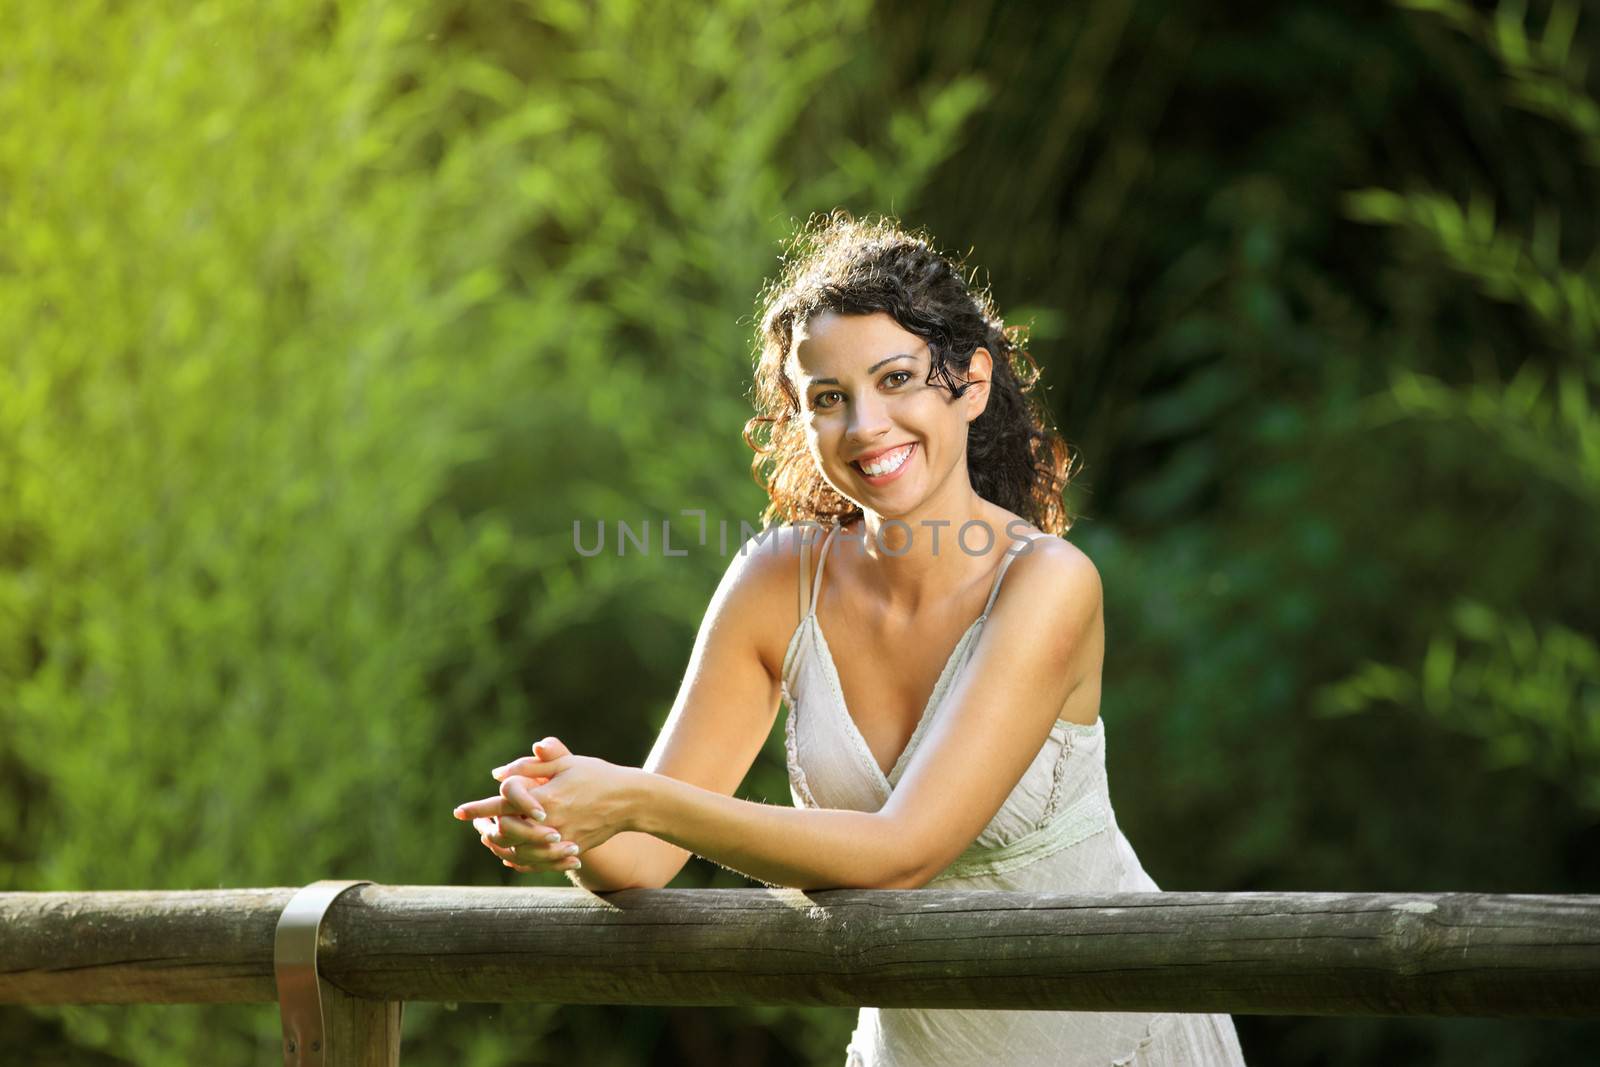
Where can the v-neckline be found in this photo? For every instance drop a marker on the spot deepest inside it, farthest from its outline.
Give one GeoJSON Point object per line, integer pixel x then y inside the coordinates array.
{"type": "Point", "coordinates": [858, 740]}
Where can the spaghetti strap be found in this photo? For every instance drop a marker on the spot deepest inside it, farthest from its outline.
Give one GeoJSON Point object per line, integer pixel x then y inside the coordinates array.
{"type": "Point", "coordinates": [1010, 554]}
{"type": "Point", "coordinates": [805, 568]}
{"type": "Point", "coordinates": [807, 583]}
{"type": "Point", "coordinates": [816, 584]}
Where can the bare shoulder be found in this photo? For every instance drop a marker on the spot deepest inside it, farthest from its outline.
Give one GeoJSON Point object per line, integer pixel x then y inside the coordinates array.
{"type": "Point", "coordinates": [768, 563]}
{"type": "Point", "coordinates": [1052, 581]}
{"type": "Point", "coordinates": [760, 590]}
{"type": "Point", "coordinates": [1050, 611]}
{"type": "Point", "coordinates": [1059, 562]}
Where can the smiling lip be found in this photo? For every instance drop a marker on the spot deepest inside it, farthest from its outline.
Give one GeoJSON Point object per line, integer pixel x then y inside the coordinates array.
{"type": "Point", "coordinates": [875, 453]}
{"type": "Point", "coordinates": [885, 479]}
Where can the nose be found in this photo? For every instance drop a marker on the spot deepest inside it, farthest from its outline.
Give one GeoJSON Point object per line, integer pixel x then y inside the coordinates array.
{"type": "Point", "coordinates": [869, 420]}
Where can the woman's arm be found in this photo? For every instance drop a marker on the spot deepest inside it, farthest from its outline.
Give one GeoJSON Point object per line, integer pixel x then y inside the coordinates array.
{"type": "Point", "coordinates": [595, 802]}
{"type": "Point", "coordinates": [615, 864]}
{"type": "Point", "coordinates": [725, 707]}
{"type": "Point", "coordinates": [804, 848]}
{"type": "Point", "coordinates": [1044, 636]}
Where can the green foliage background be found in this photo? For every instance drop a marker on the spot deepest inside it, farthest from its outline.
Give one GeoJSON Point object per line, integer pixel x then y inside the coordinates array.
{"type": "Point", "coordinates": [321, 322]}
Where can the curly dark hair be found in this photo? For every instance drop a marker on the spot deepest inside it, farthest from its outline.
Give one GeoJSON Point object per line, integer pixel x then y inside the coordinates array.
{"type": "Point", "coordinates": [837, 263]}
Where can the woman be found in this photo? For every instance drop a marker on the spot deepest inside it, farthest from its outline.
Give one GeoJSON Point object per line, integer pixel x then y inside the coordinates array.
{"type": "Point", "coordinates": [941, 668]}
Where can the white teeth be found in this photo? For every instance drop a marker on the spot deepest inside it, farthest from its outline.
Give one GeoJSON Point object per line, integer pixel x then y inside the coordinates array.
{"type": "Point", "coordinates": [887, 463]}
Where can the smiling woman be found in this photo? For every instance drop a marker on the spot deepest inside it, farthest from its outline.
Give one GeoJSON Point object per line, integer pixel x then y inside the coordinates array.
{"type": "Point", "coordinates": [943, 723]}
{"type": "Point", "coordinates": [839, 267]}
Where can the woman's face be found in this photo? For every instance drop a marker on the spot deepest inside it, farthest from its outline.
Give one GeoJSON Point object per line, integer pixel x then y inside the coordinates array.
{"type": "Point", "coordinates": [878, 432]}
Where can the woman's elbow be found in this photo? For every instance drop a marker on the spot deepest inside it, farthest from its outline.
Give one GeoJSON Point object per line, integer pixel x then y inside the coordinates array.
{"type": "Point", "coordinates": [911, 874]}
{"type": "Point", "coordinates": [909, 865]}
{"type": "Point", "coordinates": [872, 874]}
{"type": "Point", "coordinates": [912, 880]}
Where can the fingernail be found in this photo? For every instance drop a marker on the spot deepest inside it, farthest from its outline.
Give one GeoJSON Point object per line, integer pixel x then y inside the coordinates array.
{"type": "Point", "coordinates": [497, 772]}
{"type": "Point", "coordinates": [572, 849]}
{"type": "Point", "coordinates": [538, 816]}
{"type": "Point", "coordinates": [575, 865]}
{"type": "Point", "coordinates": [553, 838]}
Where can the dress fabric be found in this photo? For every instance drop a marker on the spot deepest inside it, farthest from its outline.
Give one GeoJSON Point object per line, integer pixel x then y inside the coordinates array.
{"type": "Point", "coordinates": [1055, 832]}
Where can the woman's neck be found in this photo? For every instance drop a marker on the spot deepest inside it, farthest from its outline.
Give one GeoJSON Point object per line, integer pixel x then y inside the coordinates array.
{"type": "Point", "coordinates": [914, 561]}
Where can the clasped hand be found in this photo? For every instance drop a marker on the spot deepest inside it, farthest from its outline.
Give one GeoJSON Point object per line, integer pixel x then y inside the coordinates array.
{"type": "Point", "coordinates": [552, 806]}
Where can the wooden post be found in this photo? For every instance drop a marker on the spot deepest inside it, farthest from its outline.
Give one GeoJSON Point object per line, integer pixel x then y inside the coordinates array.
{"type": "Point", "coordinates": [360, 1032]}
{"type": "Point", "coordinates": [324, 1026]}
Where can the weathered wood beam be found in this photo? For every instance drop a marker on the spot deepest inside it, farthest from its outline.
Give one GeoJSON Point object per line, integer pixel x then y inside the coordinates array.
{"type": "Point", "coordinates": [1244, 953]}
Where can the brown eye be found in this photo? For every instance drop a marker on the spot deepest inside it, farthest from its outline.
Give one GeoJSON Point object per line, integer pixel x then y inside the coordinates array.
{"type": "Point", "coordinates": [817, 401]}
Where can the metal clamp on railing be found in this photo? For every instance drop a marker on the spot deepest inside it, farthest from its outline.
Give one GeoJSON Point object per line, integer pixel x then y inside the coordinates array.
{"type": "Point", "coordinates": [294, 962]}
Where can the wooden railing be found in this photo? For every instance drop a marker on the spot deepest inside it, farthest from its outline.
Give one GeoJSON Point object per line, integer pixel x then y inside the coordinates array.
{"type": "Point", "coordinates": [1244, 953]}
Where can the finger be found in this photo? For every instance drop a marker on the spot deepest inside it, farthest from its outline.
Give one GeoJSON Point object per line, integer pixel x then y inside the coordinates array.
{"type": "Point", "coordinates": [516, 830]}
{"type": "Point", "coordinates": [572, 864]}
{"type": "Point", "coordinates": [520, 798]}
{"type": "Point", "coordinates": [489, 833]}
{"type": "Point", "coordinates": [529, 858]}
{"type": "Point", "coordinates": [531, 767]}
{"type": "Point", "coordinates": [566, 865]}
{"type": "Point", "coordinates": [492, 805]}
{"type": "Point", "coordinates": [510, 856]}
{"type": "Point", "coordinates": [499, 850]}
{"type": "Point", "coordinates": [550, 748]}
{"type": "Point", "coordinates": [512, 831]}
{"type": "Point", "coordinates": [488, 807]}
{"type": "Point", "coordinates": [535, 779]}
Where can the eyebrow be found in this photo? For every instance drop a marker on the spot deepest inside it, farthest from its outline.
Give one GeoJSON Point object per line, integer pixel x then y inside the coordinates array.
{"type": "Point", "coordinates": [870, 370]}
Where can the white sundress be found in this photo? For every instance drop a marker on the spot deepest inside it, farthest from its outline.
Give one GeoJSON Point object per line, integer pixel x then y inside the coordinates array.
{"type": "Point", "coordinates": [1055, 832]}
